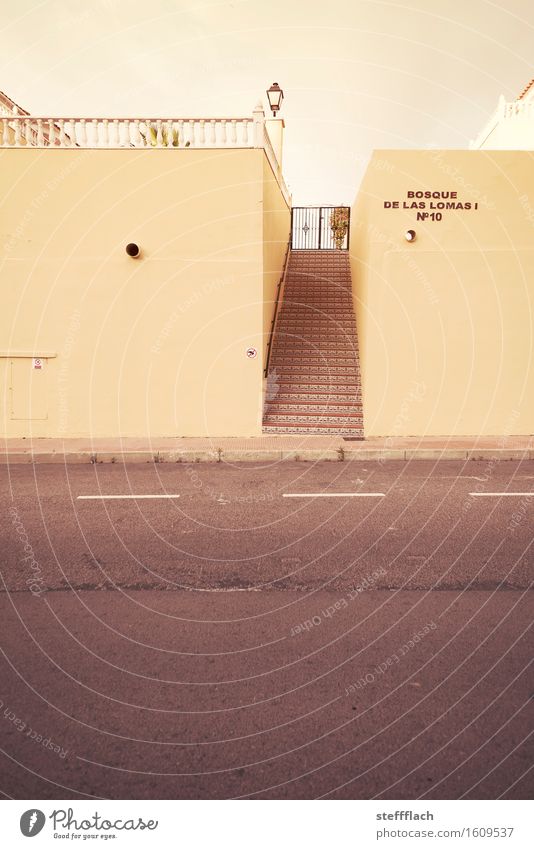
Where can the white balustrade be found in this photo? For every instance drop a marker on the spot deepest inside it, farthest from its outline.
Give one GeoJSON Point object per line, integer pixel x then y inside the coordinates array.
{"type": "Point", "coordinates": [29, 131]}
{"type": "Point", "coordinates": [19, 131]}
{"type": "Point", "coordinates": [511, 113]}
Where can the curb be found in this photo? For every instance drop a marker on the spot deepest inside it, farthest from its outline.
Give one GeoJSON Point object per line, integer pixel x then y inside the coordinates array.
{"type": "Point", "coordinates": [342, 454]}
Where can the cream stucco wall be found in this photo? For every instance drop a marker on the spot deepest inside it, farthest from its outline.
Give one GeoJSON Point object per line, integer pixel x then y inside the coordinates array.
{"type": "Point", "coordinates": [445, 323]}
{"type": "Point", "coordinates": [155, 345]}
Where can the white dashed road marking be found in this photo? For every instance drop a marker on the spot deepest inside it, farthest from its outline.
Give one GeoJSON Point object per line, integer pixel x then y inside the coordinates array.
{"type": "Point", "coordinates": [116, 497]}
{"type": "Point", "coordinates": [502, 494]}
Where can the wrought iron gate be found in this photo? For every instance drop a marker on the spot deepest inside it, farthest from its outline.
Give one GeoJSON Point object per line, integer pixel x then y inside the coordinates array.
{"type": "Point", "coordinates": [314, 228]}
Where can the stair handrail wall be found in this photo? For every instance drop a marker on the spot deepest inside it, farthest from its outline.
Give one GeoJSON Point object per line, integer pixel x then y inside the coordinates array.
{"type": "Point", "coordinates": [279, 292]}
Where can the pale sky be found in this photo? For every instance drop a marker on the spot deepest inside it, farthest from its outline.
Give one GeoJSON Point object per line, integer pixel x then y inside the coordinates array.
{"type": "Point", "coordinates": [357, 74]}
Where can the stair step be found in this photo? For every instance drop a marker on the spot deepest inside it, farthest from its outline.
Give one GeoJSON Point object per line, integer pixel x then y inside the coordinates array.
{"type": "Point", "coordinates": [315, 315]}
{"type": "Point", "coordinates": [314, 397]}
{"type": "Point", "coordinates": [312, 368]}
{"type": "Point", "coordinates": [315, 419]}
{"type": "Point", "coordinates": [322, 322]}
{"type": "Point", "coordinates": [305, 339]}
{"type": "Point", "coordinates": [290, 341]}
{"type": "Point", "coordinates": [303, 427]}
{"type": "Point", "coordinates": [314, 361]}
{"type": "Point", "coordinates": [322, 381]}
{"type": "Point", "coordinates": [318, 321]}
{"type": "Point", "coordinates": [317, 410]}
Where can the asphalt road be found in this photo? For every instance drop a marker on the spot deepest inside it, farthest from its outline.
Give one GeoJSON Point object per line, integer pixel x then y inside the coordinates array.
{"type": "Point", "coordinates": [236, 641]}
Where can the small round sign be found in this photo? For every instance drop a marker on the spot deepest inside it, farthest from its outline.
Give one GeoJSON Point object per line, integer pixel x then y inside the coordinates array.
{"type": "Point", "coordinates": [252, 353]}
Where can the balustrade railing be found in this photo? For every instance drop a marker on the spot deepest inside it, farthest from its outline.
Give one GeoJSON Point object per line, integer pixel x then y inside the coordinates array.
{"type": "Point", "coordinates": [30, 131]}
{"type": "Point", "coordinates": [23, 130]}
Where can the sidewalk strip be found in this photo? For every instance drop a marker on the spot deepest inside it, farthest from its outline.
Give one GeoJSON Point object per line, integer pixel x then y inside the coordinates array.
{"type": "Point", "coordinates": [116, 497]}
{"type": "Point", "coordinates": [333, 495]}
{"type": "Point", "coordinates": [502, 494]}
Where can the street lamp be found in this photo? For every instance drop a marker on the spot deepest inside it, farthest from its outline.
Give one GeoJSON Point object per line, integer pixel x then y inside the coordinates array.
{"type": "Point", "coordinates": [275, 95]}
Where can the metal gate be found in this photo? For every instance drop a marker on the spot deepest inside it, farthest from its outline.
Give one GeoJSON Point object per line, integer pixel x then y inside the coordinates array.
{"type": "Point", "coordinates": [314, 228]}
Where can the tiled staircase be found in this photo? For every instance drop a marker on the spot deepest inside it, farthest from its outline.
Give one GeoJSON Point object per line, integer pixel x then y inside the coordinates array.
{"type": "Point", "coordinates": [313, 385]}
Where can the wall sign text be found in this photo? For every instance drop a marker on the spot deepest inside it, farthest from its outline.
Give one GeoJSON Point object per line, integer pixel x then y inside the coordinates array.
{"type": "Point", "coordinates": [430, 205]}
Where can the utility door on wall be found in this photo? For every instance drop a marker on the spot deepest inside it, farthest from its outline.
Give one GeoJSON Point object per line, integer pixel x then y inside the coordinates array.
{"type": "Point", "coordinates": [28, 388]}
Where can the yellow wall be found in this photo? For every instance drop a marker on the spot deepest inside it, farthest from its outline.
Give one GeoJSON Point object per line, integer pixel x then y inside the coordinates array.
{"type": "Point", "coordinates": [155, 345]}
{"type": "Point", "coordinates": [446, 322]}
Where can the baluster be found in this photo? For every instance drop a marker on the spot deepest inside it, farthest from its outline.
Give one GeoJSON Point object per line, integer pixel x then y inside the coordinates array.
{"type": "Point", "coordinates": [245, 131]}
{"type": "Point", "coordinates": [5, 131]}
{"type": "Point", "coordinates": [234, 132]}
{"type": "Point", "coordinates": [181, 133]}
{"type": "Point", "coordinates": [137, 137]}
{"type": "Point", "coordinates": [51, 132]}
{"type": "Point", "coordinates": [213, 132]}
{"type": "Point", "coordinates": [16, 127]}
{"type": "Point", "coordinates": [223, 131]}
{"type": "Point", "coordinates": [159, 134]}
{"type": "Point", "coordinates": [83, 133]}
{"type": "Point", "coordinates": [202, 132]}
{"type": "Point", "coordinates": [169, 128]}
{"type": "Point", "coordinates": [104, 135]}
{"type": "Point", "coordinates": [61, 125]}
{"type": "Point", "coordinates": [40, 135]}
{"type": "Point", "coordinates": [70, 133]}
{"type": "Point", "coordinates": [27, 132]}
{"type": "Point", "coordinates": [192, 132]}
{"type": "Point", "coordinates": [127, 133]}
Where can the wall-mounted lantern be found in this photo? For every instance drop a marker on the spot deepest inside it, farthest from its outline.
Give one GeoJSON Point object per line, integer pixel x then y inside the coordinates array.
{"type": "Point", "coordinates": [133, 250]}
{"type": "Point", "coordinates": [410, 235]}
{"type": "Point", "coordinates": [275, 95]}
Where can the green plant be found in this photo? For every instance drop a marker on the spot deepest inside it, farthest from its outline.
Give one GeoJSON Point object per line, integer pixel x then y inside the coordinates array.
{"type": "Point", "coordinates": [151, 136]}
{"type": "Point", "coordinates": [339, 224]}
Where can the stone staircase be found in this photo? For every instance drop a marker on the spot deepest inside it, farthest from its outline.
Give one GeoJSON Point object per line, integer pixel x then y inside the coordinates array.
{"type": "Point", "coordinates": [313, 384]}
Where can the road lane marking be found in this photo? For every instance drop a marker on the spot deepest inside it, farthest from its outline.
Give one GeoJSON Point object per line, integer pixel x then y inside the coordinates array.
{"type": "Point", "coordinates": [502, 494]}
{"type": "Point", "coordinates": [116, 497]}
{"type": "Point", "coordinates": [333, 495]}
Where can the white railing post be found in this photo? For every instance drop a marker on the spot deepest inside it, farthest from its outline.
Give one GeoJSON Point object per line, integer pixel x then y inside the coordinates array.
{"type": "Point", "coordinates": [258, 117]}
{"type": "Point", "coordinates": [17, 128]}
